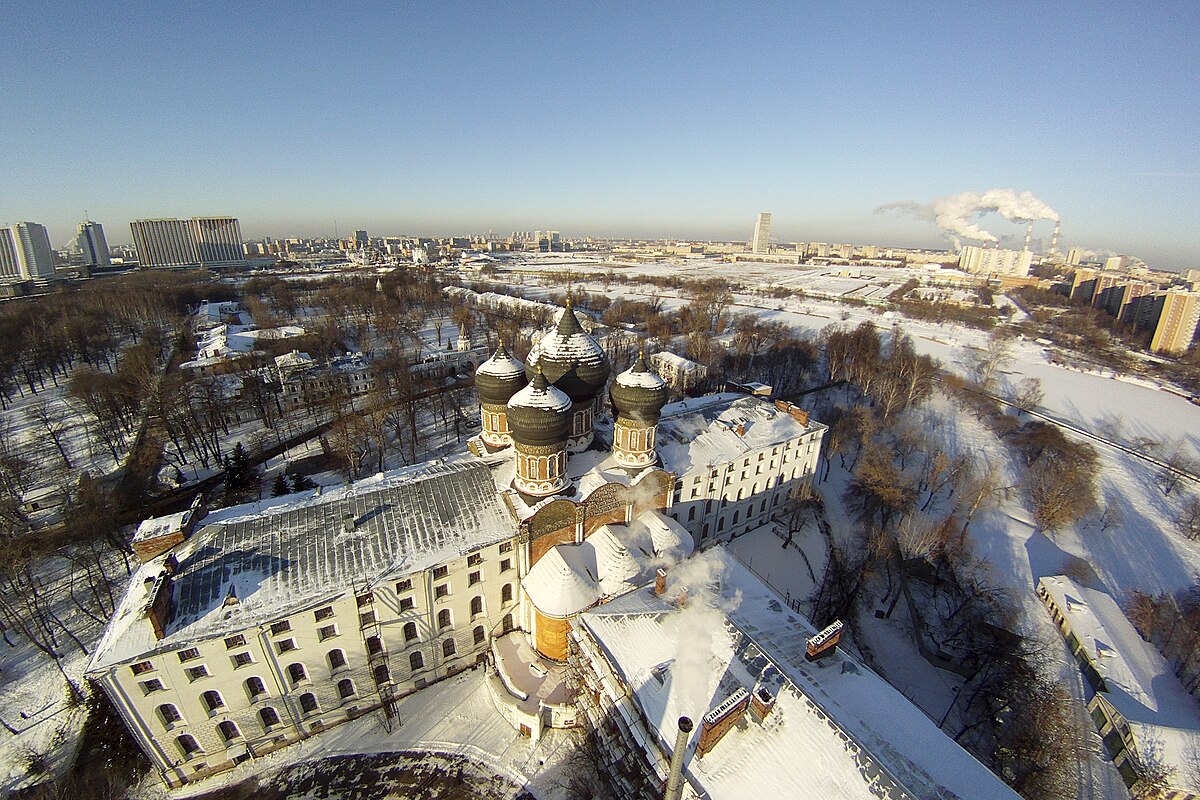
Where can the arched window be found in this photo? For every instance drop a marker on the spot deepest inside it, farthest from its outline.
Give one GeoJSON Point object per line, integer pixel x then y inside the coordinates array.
{"type": "Point", "coordinates": [476, 606]}
{"type": "Point", "coordinates": [345, 688]}
{"type": "Point", "coordinates": [416, 661]}
{"type": "Point", "coordinates": [447, 648]}
{"type": "Point", "coordinates": [254, 688]}
{"type": "Point", "coordinates": [506, 593]}
{"type": "Point", "coordinates": [382, 674]}
{"type": "Point", "coordinates": [269, 717]}
{"type": "Point", "coordinates": [506, 624]}
{"type": "Point", "coordinates": [308, 702]}
{"type": "Point", "coordinates": [212, 700]}
{"type": "Point", "coordinates": [228, 731]}
{"type": "Point", "coordinates": [169, 715]}
{"type": "Point", "coordinates": [296, 673]}
{"type": "Point", "coordinates": [187, 746]}
{"type": "Point", "coordinates": [444, 618]}
{"type": "Point", "coordinates": [480, 635]}
{"type": "Point", "coordinates": [337, 659]}
{"type": "Point", "coordinates": [410, 631]}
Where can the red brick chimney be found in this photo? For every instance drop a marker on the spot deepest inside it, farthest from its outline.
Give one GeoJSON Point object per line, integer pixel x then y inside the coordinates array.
{"type": "Point", "coordinates": [716, 723]}
{"type": "Point", "coordinates": [761, 702]}
{"type": "Point", "coordinates": [158, 603]}
{"type": "Point", "coordinates": [660, 582]}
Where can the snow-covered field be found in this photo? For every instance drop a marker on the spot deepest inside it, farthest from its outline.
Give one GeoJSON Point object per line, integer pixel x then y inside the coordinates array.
{"type": "Point", "coordinates": [1128, 409]}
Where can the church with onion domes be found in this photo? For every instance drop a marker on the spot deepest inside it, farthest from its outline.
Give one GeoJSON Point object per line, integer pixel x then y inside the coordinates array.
{"type": "Point", "coordinates": [257, 626]}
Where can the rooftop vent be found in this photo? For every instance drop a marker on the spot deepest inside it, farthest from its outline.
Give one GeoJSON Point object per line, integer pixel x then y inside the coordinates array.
{"type": "Point", "coordinates": [348, 523]}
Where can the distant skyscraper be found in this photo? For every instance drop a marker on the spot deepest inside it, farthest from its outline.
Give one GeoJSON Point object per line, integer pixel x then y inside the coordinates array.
{"type": "Point", "coordinates": [762, 234]}
{"type": "Point", "coordinates": [25, 252]}
{"type": "Point", "coordinates": [361, 240]}
{"type": "Point", "coordinates": [92, 244]}
{"type": "Point", "coordinates": [200, 241]}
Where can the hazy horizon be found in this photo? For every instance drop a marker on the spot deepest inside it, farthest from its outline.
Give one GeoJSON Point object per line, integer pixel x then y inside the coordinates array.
{"type": "Point", "coordinates": [656, 122]}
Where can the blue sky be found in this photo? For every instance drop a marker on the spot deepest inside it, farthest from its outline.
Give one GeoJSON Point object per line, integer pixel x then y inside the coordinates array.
{"type": "Point", "coordinates": [607, 119]}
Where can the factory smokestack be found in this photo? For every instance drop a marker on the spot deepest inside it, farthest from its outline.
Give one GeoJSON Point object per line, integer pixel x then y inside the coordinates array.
{"type": "Point", "coordinates": [1054, 239]}
{"type": "Point", "coordinates": [674, 788]}
{"type": "Point", "coordinates": [1029, 236]}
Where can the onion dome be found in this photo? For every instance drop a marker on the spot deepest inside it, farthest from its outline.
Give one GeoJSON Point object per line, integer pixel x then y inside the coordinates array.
{"type": "Point", "coordinates": [539, 414]}
{"type": "Point", "coordinates": [499, 378]}
{"type": "Point", "coordinates": [571, 359]}
{"type": "Point", "coordinates": [638, 394]}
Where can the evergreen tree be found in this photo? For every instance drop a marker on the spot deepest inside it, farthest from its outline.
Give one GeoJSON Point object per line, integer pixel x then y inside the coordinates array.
{"type": "Point", "coordinates": [280, 487]}
{"type": "Point", "coordinates": [301, 482]}
{"type": "Point", "coordinates": [240, 474]}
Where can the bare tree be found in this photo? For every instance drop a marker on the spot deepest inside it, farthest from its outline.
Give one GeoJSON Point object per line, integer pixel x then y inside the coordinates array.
{"type": "Point", "coordinates": [1027, 395]}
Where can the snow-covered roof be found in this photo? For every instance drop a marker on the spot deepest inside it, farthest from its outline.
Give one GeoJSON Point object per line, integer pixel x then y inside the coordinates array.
{"type": "Point", "coordinates": [548, 397]}
{"type": "Point", "coordinates": [612, 560]}
{"type": "Point", "coordinates": [160, 526]}
{"type": "Point", "coordinates": [837, 729]}
{"type": "Point", "coordinates": [293, 552]}
{"type": "Point", "coordinates": [576, 347]}
{"type": "Point", "coordinates": [294, 359]}
{"type": "Point", "coordinates": [700, 432]}
{"type": "Point", "coordinates": [1142, 687]}
{"type": "Point", "coordinates": [644, 379]}
{"type": "Point", "coordinates": [501, 366]}
{"type": "Point", "coordinates": [676, 361]}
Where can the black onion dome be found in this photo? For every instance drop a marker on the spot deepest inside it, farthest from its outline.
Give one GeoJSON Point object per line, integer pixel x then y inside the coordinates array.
{"type": "Point", "coordinates": [571, 359]}
{"type": "Point", "coordinates": [638, 394]}
{"type": "Point", "coordinates": [499, 378]}
{"type": "Point", "coordinates": [539, 414]}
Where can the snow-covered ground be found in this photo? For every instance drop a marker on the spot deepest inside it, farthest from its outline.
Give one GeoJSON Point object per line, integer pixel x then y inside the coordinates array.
{"type": "Point", "coordinates": [38, 721]}
{"type": "Point", "coordinates": [793, 571]}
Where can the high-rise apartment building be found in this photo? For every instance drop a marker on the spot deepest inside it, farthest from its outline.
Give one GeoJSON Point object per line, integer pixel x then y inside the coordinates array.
{"type": "Point", "coordinates": [994, 261]}
{"type": "Point", "coordinates": [195, 242]}
{"type": "Point", "coordinates": [92, 244]}
{"type": "Point", "coordinates": [1075, 256]}
{"type": "Point", "coordinates": [218, 241]}
{"type": "Point", "coordinates": [762, 234]}
{"type": "Point", "coordinates": [361, 240]}
{"type": "Point", "coordinates": [1178, 314]}
{"type": "Point", "coordinates": [25, 252]}
{"type": "Point", "coordinates": [1173, 316]}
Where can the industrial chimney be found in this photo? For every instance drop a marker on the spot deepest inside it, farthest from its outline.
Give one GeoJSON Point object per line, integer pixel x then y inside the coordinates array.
{"type": "Point", "coordinates": [1054, 239]}
{"type": "Point", "coordinates": [1029, 236]}
{"type": "Point", "coordinates": [674, 789]}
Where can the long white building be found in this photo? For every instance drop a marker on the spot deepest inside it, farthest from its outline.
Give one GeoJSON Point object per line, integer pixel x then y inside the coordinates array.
{"type": "Point", "coordinates": [195, 242]}
{"type": "Point", "coordinates": [993, 261]}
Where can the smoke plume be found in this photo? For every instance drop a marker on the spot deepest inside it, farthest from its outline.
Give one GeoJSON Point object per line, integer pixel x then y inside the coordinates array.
{"type": "Point", "coordinates": [955, 214]}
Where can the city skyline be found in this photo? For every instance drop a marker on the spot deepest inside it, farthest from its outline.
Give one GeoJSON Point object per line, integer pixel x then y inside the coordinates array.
{"type": "Point", "coordinates": [654, 123]}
